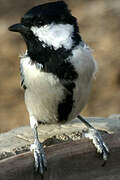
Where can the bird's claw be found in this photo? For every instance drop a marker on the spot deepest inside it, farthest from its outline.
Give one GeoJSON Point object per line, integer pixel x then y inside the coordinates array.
{"type": "Point", "coordinates": [97, 139]}
{"type": "Point", "coordinates": [39, 156]}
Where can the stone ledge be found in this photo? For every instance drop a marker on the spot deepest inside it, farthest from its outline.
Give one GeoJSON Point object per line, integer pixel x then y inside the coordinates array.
{"type": "Point", "coordinates": [18, 140]}
{"type": "Point", "coordinates": [69, 160]}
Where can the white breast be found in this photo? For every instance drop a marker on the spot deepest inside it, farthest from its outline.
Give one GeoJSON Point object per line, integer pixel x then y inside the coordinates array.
{"type": "Point", "coordinates": [43, 92]}
{"type": "Point", "coordinates": [86, 67]}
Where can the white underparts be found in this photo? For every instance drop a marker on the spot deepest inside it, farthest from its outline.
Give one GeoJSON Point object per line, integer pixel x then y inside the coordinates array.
{"type": "Point", "coordinates": [56, 35]}
{"type": "Point", "coordinates": [44, 90]}
{"type": "Point", "coordinates": [43, 93]}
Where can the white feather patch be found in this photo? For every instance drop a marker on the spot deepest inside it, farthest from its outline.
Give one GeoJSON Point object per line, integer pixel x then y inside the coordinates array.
{"type": "Point", "coordinates": [85, 66]}
{"type": "Point", "coordinates": [43, 94]}
{"type": "Point", "coordinates": [56, 35]}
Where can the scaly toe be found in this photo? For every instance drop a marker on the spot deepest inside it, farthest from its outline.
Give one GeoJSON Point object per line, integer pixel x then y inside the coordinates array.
{"type": "Point", "coordinates": [100, 145]}
{"type": "Point", "coordinates": [40, 158]}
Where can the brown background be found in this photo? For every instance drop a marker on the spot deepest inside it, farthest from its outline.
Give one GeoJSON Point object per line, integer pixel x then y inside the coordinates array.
{"type": "Point", "coordinates": [99, 22]}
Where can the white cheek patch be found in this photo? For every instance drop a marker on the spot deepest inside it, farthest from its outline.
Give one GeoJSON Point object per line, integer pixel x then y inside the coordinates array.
{"type": "Point", "coordinates": [56, 35]}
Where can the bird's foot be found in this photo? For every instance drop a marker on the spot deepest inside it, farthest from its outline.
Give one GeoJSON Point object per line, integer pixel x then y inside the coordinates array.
{"type": "Point", "coordinates": [39, 156]}
{"type": "Point", "coordinates": [97, 139]}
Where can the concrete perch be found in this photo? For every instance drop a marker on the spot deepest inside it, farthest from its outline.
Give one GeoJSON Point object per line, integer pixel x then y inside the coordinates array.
{"type": "Point", "coordinates": [73, 159]}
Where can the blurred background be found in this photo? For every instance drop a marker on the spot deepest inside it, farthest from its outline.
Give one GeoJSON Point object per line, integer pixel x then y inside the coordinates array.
{"type": "Point", "coordinates": [99, 22]}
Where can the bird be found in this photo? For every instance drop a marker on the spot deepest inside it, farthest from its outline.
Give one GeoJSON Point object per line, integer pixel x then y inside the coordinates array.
{"type": "Point", "coordinates": [57, 70]}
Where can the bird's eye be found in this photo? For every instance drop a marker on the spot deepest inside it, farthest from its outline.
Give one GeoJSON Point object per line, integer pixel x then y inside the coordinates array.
{"type": "Point", "coordinates": [40, 23]}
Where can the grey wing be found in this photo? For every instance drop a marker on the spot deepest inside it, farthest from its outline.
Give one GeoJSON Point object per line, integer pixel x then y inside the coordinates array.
{"type": "Point", "coordinates": [22, 81]}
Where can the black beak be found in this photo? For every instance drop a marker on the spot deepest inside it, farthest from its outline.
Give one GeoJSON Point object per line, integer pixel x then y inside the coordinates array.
{"type": "Point", "coordinates": [19, 28]}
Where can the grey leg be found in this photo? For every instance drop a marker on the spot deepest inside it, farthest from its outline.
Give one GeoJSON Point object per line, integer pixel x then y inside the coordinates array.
{"type": "Point", "coordinates": [97, 139]}
{"type": "Point", "coordinates": [39, 154]}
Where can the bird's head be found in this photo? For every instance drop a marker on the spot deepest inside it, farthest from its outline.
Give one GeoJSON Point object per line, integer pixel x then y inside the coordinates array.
{"type": "Point", "coordinates": [49, 25]}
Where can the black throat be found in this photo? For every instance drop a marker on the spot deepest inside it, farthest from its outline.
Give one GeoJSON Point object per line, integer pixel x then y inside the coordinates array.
{"type": "Point", "coordinates": [57, 62]}
{"type": "Point", "coordinates": [40, 52]}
